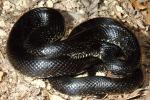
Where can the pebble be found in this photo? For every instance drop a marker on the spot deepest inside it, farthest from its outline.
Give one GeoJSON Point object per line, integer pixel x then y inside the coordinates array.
{"type": "Point", "coordinates": [41, 4]}
{"type": "Point", "coordinates": [49, 3]}
{"type": "Point", "coordinates": [55, 97]}
{"type": "Point", "coordinates": [39, 83]}
{"type": "Point", "coordinates": [6, 5]}
{"type": "Point", "coordinates": [2, 23]}
{"type": "Point", "coordinates": [119, 9]}
{"type": "Point", "coordinates": [21, 4]}
{"type": "Point", "coordinates": [76, 98]}
{"type": "Point", "coordinates": [2, 33]}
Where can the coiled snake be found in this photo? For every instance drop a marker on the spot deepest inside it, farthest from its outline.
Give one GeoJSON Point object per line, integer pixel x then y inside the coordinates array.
{"type": "Point", "coordinates": [35, 48]}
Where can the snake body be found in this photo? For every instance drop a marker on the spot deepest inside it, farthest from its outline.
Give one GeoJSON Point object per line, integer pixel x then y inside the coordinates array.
{"type": "Point", "coordinates": [35, 48]}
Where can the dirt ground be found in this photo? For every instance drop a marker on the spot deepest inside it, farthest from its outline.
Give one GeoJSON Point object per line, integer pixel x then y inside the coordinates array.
{"type": "Point", "coordinates": [134, 13]}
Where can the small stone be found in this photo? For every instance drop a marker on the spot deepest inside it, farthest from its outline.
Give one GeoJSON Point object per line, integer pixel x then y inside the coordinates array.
{"type": "Point", "coordinates": [119, 9]}
{"type": "Point", "coordinates": [6, 5]}
{"type": "Point", "coordinates": [2, 33]}
{"type": "Point", "coordinates": [54, 1]}
{"type": "Point", "coordinates": [39, 83]}
{"type": "Point", "coordinates": [28, 79]}
{"type": "Point", "coordinates": [2, 23]}
{"type": "Point", "coordinates": [105, 2]}
{"type": "Point", "coordinates": [41, 4]}
{"type": "Point", "coordinates": [76, 98]}
{"type": "Point", "coordinates": [55, 97]}
{"type": "Point", "coordinates": [100, 74]}
{"type": "Point", "coordinates": [48, 87]}
{"type": "Point", "coordinates": [112, 13]}
{"type": "Point", "coordinates": [49, 3]}
{"type": "Point", "coordinates": [35, 91]}
{"type": "Point", "coordinates": [21, 88]}
{"type": "Point", "coordinates": [81, 11]}
{"type": "Point", "coordinates": [20, 4]}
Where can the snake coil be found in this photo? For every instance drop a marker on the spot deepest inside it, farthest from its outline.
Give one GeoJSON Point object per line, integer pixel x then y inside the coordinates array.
{"type": "Point", "coordinates": [35, 48]}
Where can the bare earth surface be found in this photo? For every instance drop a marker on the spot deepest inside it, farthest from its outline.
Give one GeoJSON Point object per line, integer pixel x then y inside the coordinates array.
{"type": "Point", "coordinates": [135, 13]}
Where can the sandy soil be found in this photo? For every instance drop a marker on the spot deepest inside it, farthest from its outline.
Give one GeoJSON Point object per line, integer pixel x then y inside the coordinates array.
{"type": "Point", "coordinates": [134, 13]}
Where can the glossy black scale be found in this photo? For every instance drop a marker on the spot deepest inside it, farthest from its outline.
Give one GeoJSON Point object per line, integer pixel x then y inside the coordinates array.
{"type": "Point", "coordinates": [35, 48]}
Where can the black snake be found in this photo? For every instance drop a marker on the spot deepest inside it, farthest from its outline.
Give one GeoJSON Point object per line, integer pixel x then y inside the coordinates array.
{"type": "Point", "coordinates": [35, 48]}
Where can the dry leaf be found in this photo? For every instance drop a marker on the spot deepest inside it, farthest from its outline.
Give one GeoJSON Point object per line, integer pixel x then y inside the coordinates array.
{"type": "Point", "coordinates": [1, 75]}
{"type": "Point", "coordinates": [137, 4]}
{"type": "Point", "coordinates": [147, 17]}
{"type": "Point", "coordinates": [1, 3]}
